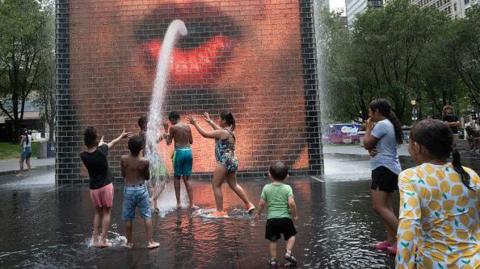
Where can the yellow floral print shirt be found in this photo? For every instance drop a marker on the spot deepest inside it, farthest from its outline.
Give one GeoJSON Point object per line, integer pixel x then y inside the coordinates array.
{"type": "Point", "coordinates": [439, 219]}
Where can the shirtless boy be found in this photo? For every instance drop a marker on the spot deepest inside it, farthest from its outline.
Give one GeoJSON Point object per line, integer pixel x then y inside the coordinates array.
{"type": "Point", "coordinates": [153, 188]}
{"type": "Point", "coordinates": [181, 134]}
{"type": "Point", "coordinates": [135, 170]}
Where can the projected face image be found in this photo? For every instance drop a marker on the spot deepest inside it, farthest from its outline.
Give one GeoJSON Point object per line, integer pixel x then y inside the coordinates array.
{"type": "Point", "coordinates": [242, 56]}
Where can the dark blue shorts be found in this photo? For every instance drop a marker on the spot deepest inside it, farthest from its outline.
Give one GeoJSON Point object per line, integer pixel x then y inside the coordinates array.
{"type": "Point", "coordinates": [26, 153]}
{"type": "Point", "coordinates": [134, 197]}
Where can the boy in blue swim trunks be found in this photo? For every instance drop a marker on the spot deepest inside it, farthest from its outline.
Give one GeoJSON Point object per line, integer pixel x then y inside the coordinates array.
{"type": "Point", "coordinates": [281, 208]}
{"type": "Point", "coordinates": [135, 170]}
{"type": "Point", "coordinates": [181, 134]}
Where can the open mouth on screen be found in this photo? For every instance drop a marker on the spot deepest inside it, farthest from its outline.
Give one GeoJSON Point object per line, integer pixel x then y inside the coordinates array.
{"type": "Point", "coordinates": [199, 58]}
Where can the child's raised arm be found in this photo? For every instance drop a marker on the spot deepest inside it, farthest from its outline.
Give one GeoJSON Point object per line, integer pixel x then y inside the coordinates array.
{"type": "Point", "coordinates": [206, 116]}
{"type": "Point", "coordinates": [124, 134]}
{"type": "Point", "coordinates": [293, 207]}
{"type": "Point", "coordinates": [217, 134]}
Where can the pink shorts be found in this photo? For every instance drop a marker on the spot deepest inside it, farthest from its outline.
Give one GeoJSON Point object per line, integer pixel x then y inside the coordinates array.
{"type": "Point", "coordinates": [102, 197]}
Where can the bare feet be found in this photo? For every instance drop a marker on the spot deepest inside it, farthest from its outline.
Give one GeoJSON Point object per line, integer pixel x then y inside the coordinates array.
{"type": "Point", "coordinates": [128, 245]}
{"type": "Point", "coordinates": [194, 207]}
{"type": "Point", "coordinates": [152, 245]}
{"type": "Point", "coordinates": [250, 208]}
{"type": "Point", "coordinates": [104, 244]}
{"type": "Point", "coordinates": [220, 214]}
{"type": "Point", "coordinates": [179, 206]}
{"type": "Point", "coordinates": [95, 240]}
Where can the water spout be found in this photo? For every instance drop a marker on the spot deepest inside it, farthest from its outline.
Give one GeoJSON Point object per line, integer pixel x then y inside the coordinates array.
{"type": "Point", "coordinates": [158, 172]}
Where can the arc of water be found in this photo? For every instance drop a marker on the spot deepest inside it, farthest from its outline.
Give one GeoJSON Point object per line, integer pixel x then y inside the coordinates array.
{"type": "Point", "coordinates": [154, 126]}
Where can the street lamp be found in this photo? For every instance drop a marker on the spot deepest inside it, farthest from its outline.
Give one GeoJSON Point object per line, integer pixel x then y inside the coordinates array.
{"type": "Point", "coordinates": [414, 110]}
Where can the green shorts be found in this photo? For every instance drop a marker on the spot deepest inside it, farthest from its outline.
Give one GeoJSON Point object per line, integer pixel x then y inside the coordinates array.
{"type": "Point", "coordinates": [182, 162]}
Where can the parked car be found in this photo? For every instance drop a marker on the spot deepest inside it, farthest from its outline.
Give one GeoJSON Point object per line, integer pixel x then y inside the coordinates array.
{"type": "Point", "coordinates": [342, 133]}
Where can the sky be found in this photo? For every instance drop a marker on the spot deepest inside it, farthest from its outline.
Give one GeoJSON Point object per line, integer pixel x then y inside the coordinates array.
{"type": "Point", "coordinates": [337, 5]}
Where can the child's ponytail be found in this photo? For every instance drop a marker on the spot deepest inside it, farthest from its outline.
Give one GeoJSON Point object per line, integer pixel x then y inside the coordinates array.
{"type": "Point", "coordinates": [457, 165]}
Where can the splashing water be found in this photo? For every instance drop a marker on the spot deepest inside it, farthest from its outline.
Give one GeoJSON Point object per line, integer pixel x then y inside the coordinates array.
{"type": "Point", "coordinates": [116, 239]}
{"type": "Point", "coordinates": [158, 172]}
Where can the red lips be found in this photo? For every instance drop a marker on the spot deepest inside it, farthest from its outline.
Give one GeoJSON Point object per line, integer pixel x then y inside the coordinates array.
{"type": "Point", "coordinates": [194, 66]}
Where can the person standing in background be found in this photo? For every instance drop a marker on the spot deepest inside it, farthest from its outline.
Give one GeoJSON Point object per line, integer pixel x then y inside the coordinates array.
{"type": "Point", "coordinates": [449, 118]}
{"type": "Point", "coordinates": [26, 153]}
{"type": "Point", "coordinates": [382, 136]}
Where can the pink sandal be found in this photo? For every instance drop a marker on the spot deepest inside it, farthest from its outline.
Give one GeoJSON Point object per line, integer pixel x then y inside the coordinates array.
{"type": "Point", "coordinates": [383, 245]}
{"type": "Point", "coordinates": [392, 251]}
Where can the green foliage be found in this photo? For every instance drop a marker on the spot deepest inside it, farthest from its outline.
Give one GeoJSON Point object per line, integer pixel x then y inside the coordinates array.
{"type": "Point", "coordinates": [12, 151]}
{"type": "Point", "coordinates": [402, 53]}
{"type": "Point", "coordinates": [464, 48]}
{"type": "Point", "coordinates": [26, 49]}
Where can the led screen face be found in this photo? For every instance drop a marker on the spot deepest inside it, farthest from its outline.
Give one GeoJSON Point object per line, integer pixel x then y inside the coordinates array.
{"type": "Point", "coordinates": [242, 56]}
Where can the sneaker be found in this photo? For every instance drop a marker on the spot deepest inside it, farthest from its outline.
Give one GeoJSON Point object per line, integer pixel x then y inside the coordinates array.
{"type": "Point", "coordinates": [392, 251]}
{"type": "Point", "coordinates": [272, 263]}
{"type": "Point", "coordinates": [291, 259]}
{"type": "Point", "coordinates": [383, 246]}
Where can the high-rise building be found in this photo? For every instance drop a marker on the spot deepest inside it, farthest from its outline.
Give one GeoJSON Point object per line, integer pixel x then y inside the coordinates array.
{"type": "Point", "coordinates": [357, 7]}
{"type": "Point", "coordinates": [454, 8]}
{"type": "Point", "coordinates": [466, 5]}
{"type": "Point", "coordinates": [321, 4]}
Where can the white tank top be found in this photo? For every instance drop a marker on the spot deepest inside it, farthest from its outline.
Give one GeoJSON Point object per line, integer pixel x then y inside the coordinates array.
{"type": "Point", "coordinates": [28, 144]}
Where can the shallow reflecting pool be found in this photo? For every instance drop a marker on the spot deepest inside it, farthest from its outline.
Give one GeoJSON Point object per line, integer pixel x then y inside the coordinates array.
{"type": "Point", "coordinates": [44, 226]}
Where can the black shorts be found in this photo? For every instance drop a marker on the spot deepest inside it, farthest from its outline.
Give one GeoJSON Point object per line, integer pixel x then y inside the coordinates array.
{"type": "Point", "coordinates": [276, 227]}
{"type": "Point", "coordinates": [384, 179]}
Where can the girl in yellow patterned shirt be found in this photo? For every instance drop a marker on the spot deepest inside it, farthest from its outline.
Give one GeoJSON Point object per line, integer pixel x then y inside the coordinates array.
{"type": "Point", "coordinates": [439, 223]}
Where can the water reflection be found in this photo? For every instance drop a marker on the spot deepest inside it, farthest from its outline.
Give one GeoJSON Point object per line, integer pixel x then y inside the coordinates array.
{"type": "Point", "coordinates": [51, 228]}
{"type": "Point", "coordinates": [44, 226]}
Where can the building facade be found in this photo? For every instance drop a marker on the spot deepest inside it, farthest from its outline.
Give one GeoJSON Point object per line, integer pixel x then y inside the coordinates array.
{"type": "Point", "coordinates": [454, 8]}
{"type": "Point", "coordinates": [256, 59]}
{"type": "Point", "coordinates": [357, 7]}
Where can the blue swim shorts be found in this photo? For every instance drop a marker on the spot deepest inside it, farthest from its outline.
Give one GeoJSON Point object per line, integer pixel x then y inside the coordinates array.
{"type": "Point", "coordinates": [134, 197]}
{"type": "Point", "coordinates": [182, 162]}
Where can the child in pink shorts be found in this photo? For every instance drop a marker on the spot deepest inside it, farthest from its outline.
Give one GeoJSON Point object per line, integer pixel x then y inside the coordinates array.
{"type": "Point", "coordinates": [101, 188]}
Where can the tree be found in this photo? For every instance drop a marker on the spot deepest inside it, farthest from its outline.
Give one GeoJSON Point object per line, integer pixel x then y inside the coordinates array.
{"type": "Point", "coordinates": [437, 83]}
{"type": "Point", "coordinates": [464, 50]}
{"type": "Point", "coordinates": [389, 46]}
{"type": "Point", "coordinates": [45, 92]}
{"type": "Point", "coordinates": [397, 52]}
{"type": "Point", "coordinates": [24, 50]}
{"type": "Point", "coordinates": [45, 96]}
{"type": "Point", "coordinates": [333, 39]}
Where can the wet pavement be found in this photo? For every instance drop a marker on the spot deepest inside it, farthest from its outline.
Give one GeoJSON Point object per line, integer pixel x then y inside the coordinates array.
{"type": "Point", "coordinates": [44, 226]}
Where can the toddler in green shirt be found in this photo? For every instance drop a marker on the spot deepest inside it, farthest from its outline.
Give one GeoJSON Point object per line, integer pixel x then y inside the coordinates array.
{"type": "Point", "coordinates": [281, 208]}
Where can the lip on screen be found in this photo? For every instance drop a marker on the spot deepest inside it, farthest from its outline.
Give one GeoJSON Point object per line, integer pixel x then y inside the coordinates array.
{"type": "Point", "coordinates": [199, 57]}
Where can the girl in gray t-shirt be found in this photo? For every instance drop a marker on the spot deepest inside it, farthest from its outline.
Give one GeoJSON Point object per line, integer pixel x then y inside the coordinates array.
{"type": "Point", "coordinates": [383, 134]}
